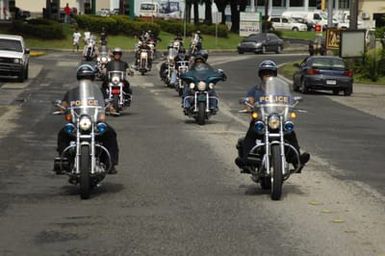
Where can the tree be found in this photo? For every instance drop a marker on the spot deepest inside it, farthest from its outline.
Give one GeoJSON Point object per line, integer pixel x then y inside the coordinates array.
{"type": "Point", "coordinates": [236, 7]}
{"type": "Point", "coordinates": [188, 10]}
{"type": "Point", "coordinates": [208, 11]}
{"type": "Point", "coordinates": [221, 6]}
{"type": "Point", "coordinates": [196, 11]}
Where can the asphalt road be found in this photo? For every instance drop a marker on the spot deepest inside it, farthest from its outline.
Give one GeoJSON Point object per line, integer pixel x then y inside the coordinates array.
{"type": "Point", "coordinates": [177, 191]}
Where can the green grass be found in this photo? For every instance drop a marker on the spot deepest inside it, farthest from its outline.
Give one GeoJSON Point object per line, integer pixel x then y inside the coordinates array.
{"type": "Point", "coordinates": [305, 35]}
{"type": "Point", "coordinates": [288, 70]}
{"type": "Point", "coordinates": [128, 43]}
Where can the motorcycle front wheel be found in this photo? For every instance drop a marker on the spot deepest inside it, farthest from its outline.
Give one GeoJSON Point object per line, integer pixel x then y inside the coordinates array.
{"type": "Point", "coordinates": [115, 103]}
{"type": "Point", "coordinates": [201, 117]}
{"type": "Point", "coordinates": [276, 176]}
{"type": "Point", "coordinates": [85, 166]}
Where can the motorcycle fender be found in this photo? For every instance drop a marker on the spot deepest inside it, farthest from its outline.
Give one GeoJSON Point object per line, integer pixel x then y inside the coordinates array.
{"type": "Point", "coordinates": [202, 98]}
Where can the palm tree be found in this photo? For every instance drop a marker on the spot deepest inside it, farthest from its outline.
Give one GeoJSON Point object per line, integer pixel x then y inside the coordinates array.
{"type": "Point", "coordinates": [188, 10]}
{"type": "Point", "coordinates": [196, 11]}
{"type": "Point", "coordinates": [208, 11]}
{"type": "Point", "coordinates": [236, 6]}
{"type": "Point", "coordinates": [221, 6]}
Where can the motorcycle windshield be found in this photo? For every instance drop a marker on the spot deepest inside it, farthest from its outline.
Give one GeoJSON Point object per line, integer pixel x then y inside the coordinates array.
{"type": "Point", "coordinates": [86, 99]}
{"type": "Point", "coordinates": [276, 97]}
{"type": "Point", "coordinates": [172, 53]}
{"type": "Point", "coordinates": [202, 71]}
{"type": "Point", "coordinates": [115, 76]}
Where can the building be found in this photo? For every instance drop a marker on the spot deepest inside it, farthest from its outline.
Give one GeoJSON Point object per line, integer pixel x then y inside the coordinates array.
{"type": "Point", "coordinates": [368, 9]}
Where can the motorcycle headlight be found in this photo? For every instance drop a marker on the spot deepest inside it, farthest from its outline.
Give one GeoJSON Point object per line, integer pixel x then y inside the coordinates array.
{"type": "Point", "coordinates": [98, 59]}
{"type": "Point", "coordinates": [104, 59]}
{"type": "Point", "coordinates": [259, 127]}
{"type": "Point", "coordinates": [288, 126]}
{"type": "Point", "coordinates": [17, 61]}
{"type": "Point", "coordinates": [85, 123]}
{"type": "Point", "coordinates": [102, 127]}
{"type": "Point", "coordinates": [211, 86]}
{"type": "Point", "coordinates": [192, 86]}
{"type": "Point", "coordinates": [274, 122]}
{"type": "Point", "coordinates": [69, 128]}
{"type": "Point", "coordinates": [201, 86]}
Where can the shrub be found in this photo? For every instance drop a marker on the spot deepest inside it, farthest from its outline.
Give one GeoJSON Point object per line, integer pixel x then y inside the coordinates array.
{"type": "Point", "coordinates": [39, 28]}
{"type": "Point", "coordinates": [174, 27]}
{"type": "Point", "coordinates": [116, 25]}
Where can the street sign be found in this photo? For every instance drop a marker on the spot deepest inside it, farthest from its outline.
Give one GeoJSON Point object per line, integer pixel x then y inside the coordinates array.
{"type": "Point", "coordinates": [333, 38]}
{"type": "Point", "coordinates": [250, 23]}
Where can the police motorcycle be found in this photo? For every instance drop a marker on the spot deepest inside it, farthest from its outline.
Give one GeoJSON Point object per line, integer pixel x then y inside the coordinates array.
{"type": "Point", "coordinates": [116, 95]}
{"type": "Point", "coordinates": [89, 50]}
{"type": "Point", "coordinates": [143, 57]}
{"type": "Point", "coordinates": [273, 114]}
{"type": "Point", "coordinates": [85, 160]}
{"type": "Point", "coordinates": [102, 61]}
{"type": "Point", "coordinates": [199, 99]}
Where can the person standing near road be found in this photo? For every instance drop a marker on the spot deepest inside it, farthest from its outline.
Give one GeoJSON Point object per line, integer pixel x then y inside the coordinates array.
{"type": "Point", "coordinates": [67, 11]}
{"type": "Point", "coordinates": [76, 39]}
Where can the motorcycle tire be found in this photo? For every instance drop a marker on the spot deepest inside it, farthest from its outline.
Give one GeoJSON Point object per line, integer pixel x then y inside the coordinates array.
{"type": "Point", "coordinates": [115, 103]}
{"type": "Point", "coordinates": [201, 115]}
{"type": "Point", "coordinates": [276, 176]}
{"type": "Point", "coordinates": [85, 166]}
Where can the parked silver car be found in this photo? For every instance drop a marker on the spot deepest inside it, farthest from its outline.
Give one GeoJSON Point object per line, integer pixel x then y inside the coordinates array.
{"type": "Point", "coordinates": [14, 57]}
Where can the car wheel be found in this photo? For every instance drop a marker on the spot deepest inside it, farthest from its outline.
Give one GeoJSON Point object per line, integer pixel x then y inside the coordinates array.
{"type": "Point", "coordinates": [348, 91]}
{"type": "Point", "coordinates": [240, 52]}
{"type": "Point", "coordinates": [26, 72]}
{"type": "Point", "coordinates": [263, 49]}
{"type": "Point", "coordinates": [303, 89]}
{"type": "Point", "coordinates": [295, 87]}
{"type": "Point", "coordinates": [21, 76]}
{"type": "Point", "coordinates": [295, 29]}
{"type": "Point", "coordinates": [336, 91]}
{"type": "Point", "coordinates": [279, 49]}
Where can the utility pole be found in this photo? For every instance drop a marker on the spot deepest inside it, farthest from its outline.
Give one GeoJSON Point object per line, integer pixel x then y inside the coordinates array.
{"type": "Point", "coordinates": [353, 14]}
{"type": "Point", "coordinates": [330, 13]}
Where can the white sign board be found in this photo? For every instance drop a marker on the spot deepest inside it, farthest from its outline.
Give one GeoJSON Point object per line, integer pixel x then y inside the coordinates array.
{"type": "Point", "coordinates": [250, 23]}
{"type": "Point", "coordinates": [352, 43]}
{"type": "Point", "coordinates": [217, 17]}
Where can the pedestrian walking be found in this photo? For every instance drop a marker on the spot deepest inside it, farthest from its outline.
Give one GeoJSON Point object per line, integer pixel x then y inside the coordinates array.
{"type": "Point", "coordinates": [76, 39]}
{"type": "Point", "coordinates": [67, 11]}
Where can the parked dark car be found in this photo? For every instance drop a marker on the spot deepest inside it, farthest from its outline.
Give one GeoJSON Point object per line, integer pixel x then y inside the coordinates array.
{"type": "Point", "coordinates": [261, 43]}
{"type": "Point", "coordinates": [323, 73]}
{"type": "Point", "coordinates": [310, 25]}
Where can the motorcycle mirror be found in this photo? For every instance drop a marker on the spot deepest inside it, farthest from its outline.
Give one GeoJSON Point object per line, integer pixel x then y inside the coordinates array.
{"type": "Point", "coordinates": [298, 98]}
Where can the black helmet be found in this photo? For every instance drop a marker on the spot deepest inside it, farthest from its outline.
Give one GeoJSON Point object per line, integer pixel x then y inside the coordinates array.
{"type": "Point", "coordinates": [117, 50]}
{"type": "Point", "coordinates": [267, 66]}
{"type": "Point", "coordinates": [85, 71]}
{"type": "Point", "coordinates": [199, 57]}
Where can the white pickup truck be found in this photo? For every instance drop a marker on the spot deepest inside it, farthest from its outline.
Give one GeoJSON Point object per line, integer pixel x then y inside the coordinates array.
{"type": "Point", "coordinates": [14, 57]}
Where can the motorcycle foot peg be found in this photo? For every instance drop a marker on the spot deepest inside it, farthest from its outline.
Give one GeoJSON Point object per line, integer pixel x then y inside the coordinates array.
{"type": "Point", "coordinates": [61, 165]}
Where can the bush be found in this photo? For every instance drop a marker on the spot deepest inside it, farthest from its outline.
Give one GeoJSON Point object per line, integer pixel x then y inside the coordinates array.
{"type": "Point", "coordinates": [372, 65]}
{"type": "Point", "coordinates": [380, 32]}
{"type": "Point", "coordinates": [45, 29]}
{"type": "Point", "coordinates": [174, 27]}
{"type": "Point", "coordinates": [116, 25]}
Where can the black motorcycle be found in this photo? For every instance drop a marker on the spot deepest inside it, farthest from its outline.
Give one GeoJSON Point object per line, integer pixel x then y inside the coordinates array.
{"type": "Point", "coordinates": [85, 160]}
{"type": "Point", "coordinates": [199, 98]}
{"type": "Point", "coordinates": [273, 116]}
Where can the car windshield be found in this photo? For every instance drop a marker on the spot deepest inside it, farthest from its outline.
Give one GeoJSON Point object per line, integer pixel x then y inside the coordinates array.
{"type": "Point", "coordinates": [10, 45]}
{"type": "Point", "coordinates": [328, 63]}
{"type": "Point", "coordinates": [254, 38]}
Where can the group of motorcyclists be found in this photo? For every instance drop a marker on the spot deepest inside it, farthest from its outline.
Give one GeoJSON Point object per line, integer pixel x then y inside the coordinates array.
{"type": "Point", "coordinates": [188, 72]}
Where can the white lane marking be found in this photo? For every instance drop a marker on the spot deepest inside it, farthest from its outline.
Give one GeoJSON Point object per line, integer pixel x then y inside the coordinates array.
{"type": "Point", "coordinates": [16, 85]}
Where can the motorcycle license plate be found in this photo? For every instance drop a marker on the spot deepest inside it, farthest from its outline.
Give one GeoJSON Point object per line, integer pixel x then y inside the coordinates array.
{"type": "Point", "coordinates": [331, 82]}
{"type": "Point", "coordinates": [202, 97]}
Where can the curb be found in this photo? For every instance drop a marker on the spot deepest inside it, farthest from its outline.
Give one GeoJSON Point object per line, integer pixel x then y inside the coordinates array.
{"type": "Point", "coordinates": [36, 53]}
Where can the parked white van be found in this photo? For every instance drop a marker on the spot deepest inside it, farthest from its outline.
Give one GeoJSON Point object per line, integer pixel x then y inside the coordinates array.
{"type": "Point", "coordinates": [287, 23]}
{"type": "Point", "coordinates": [315, 17]}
